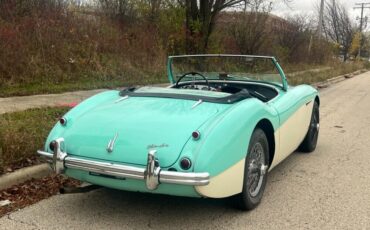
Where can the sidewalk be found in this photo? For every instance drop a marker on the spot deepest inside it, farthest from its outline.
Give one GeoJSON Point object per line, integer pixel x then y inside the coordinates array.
{"type": "Point", "coordinates": [12, 104]}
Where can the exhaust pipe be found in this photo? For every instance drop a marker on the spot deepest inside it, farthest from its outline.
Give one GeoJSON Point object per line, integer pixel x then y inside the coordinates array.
{"type": "Point", "coordinates": [81, 189]}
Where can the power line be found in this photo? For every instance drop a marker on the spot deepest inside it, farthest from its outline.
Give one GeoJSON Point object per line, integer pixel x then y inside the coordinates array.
{"type": "Point", "coordinates": [361, 6]}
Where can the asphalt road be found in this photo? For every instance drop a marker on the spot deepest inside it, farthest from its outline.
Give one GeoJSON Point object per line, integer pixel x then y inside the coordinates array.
{"type": "Point", "coordinates": [328, 189]}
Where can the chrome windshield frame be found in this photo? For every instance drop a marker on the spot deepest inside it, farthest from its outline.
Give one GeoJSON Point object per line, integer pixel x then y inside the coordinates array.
{"type": "Point", "coordinates": [284, 81]}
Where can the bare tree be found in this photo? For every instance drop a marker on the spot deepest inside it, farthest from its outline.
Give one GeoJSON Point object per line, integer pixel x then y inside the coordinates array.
{"type": "Point", "coordinates": [14, 8]}
{"type": "Point", "coordinates": [119, 9]}
{"type": "Point", "coordinates": [200, 20]}
{"type": "Point", "coordinates": [294, 36]}
{"type": "Point", "coordinates": [338, 26]}
{"type": "Point", "coordinates": [154, 6]}
{"type": "Point", "coordinates": [249, 30]}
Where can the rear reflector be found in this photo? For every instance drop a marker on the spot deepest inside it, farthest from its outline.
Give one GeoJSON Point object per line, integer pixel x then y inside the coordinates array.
{"type": "Point", "coordinates": [63, 121]}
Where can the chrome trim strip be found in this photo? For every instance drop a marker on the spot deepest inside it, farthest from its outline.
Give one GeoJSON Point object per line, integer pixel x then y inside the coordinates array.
{"type": "Point", "coordinates": [47, 155]}
{"type": "Point", "coordinates": [197, 103]}
{"type": "Point", "coordinates": [152, 174]}
{"type": "Point", "coordinates": [121, 99]}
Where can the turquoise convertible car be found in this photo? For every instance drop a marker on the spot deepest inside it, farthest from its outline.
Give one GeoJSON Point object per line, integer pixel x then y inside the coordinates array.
{"type": "Point", "coordinates": [216, 131]}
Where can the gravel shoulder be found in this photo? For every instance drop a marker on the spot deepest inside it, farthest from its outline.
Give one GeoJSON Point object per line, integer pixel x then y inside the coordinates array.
{"type": "Point", "coordinates": [328, 189]}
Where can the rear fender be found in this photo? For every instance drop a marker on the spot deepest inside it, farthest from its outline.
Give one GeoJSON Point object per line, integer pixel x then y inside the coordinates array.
{"type": "Point", "coordinates": [82, 108]}
{"type": "Point", "coordinates": [223, 145]}
{"type": "Point", "coordinates": [225, 141]}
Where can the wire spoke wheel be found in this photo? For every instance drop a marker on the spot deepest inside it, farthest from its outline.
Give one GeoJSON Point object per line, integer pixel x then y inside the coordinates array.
{"type": "Point", "coordinates": [255, 171]}
{"type": "Point", "coordinates": [255, 177]}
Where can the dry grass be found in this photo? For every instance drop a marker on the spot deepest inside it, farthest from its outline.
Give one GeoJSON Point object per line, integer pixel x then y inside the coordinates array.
{"type": "Point", "coordinates": [58, 50]}
{"type": "Point", "coordinates": [315, 75]}
{"type": "Point", "coordinates": [23, 133]}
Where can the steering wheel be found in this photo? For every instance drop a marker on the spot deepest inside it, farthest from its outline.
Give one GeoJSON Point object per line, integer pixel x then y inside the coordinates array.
{"type": "Point", "coordinates": [193, 74]}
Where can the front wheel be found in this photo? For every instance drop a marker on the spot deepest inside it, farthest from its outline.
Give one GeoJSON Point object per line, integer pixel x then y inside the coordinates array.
{"type": "Point", "coordinates": [310, 141]}
{"type": "Point", "coordinates": [255, 172]}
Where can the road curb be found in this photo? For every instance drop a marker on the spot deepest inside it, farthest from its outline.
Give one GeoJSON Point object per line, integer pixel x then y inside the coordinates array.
{"type": "Point", "coordinates": [24, 174]}
{"type": "Point", "coordinates": [328, 82]}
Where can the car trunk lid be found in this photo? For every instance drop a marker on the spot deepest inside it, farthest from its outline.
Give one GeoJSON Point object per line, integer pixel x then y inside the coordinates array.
{"type": "Point", "coordinates": [135, 125]}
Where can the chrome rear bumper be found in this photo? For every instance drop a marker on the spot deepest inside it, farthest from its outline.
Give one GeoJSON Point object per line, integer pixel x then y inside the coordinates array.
{"type": "Point", "coordinates": [152, 174]}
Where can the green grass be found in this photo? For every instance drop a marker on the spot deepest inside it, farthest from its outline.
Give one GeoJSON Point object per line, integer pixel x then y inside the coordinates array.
{"type": "Point", "coordinates": [94, 81]}
{"type": "Point", "coordinates": [85, 83]}
{"type": "Point", "coordinates": [23, 133]}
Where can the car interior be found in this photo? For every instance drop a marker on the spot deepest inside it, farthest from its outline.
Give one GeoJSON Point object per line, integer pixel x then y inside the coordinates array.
{"type": "Point", "coordinates": [263, 92]}
{"type": "Point", "coordinates": [260, 91]}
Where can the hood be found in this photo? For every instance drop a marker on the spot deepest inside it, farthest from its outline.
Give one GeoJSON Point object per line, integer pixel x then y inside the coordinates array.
{"type": "Point", "coordinates": [136, 125]}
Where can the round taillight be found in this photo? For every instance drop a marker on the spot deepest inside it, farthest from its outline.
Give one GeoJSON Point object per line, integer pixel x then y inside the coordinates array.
{"type": "Point", "coordinates": [63, 121]}
{"type": "Point", "coordinates": [196, 135]}
{"type": "Point", "coordinates": [52, 145]}
{"type": "Point", "coordinates": [185, 163]}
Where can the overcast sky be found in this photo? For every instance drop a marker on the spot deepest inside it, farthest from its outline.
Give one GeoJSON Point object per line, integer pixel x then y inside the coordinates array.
{"type": "Point", "coordinates": [309, 7]}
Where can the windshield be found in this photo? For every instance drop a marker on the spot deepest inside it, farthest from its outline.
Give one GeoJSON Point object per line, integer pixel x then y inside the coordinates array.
{"type": "Point", "coordinates": [225, 67]}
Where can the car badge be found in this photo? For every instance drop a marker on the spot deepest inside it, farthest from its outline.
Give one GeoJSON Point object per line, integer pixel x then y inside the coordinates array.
{"type": "Point", "coordinates": [111, 143]}
{"type": "Point", "coordinates": [153, 146]}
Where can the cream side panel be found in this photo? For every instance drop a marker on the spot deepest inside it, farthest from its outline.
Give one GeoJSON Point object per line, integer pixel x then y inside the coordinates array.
{"type": "Point", "coordinates": [277, 155]}
{"type": "Point", "coordinates": [227, 183]}
{"type": "Point", "coordinates": [292, 133]}
{"type": "Point", "coordinates": [287, 137]}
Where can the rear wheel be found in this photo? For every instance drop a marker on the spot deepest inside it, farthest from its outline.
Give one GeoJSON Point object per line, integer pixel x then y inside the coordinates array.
{"type": "Point", "coordinates": [310, 141]}
{"type": "Point", "coordinates": [255, 172]}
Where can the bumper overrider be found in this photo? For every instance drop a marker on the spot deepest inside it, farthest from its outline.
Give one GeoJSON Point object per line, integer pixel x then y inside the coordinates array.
{"type": "Point", "coordinates": [152, 173]}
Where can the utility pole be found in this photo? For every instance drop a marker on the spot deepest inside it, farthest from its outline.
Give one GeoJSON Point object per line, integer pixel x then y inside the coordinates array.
{"type": "Point", "coordinates": [319, 27]}
{"type": "Point", "coordinates": [361, 6]}
{"type": "Point", "coordinates": [321, 18]}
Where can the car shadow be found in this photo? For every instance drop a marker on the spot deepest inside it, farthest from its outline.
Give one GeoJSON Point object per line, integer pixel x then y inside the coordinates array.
{"type": "Point", "coordinates": [143, 210]}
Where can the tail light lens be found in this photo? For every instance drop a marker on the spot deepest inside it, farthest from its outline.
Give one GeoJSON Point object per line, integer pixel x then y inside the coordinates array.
{"type": "Point", "coordinates": [52, 145]}
{"type": "Point", "coordinates": [185, 163]}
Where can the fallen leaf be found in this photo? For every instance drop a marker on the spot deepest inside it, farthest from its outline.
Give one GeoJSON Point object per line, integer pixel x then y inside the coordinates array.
{"type": "Point", "coordinates": [4, 202]}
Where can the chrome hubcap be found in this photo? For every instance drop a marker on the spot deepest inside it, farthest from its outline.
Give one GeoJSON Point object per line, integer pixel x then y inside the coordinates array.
{"type": "Point", "coordinates": [256, 169]}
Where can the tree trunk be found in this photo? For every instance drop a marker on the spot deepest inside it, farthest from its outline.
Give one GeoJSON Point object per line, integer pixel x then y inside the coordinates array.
{"type": "Point", "coordinates": [200, 21]}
